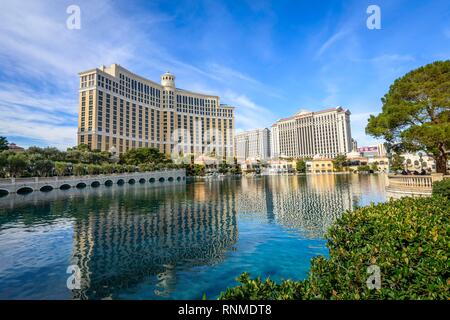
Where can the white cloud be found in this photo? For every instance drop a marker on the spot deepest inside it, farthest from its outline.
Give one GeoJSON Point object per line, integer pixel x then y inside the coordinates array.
{"type": "Point", "coordinates": [14, 95]}
{"type": "Point", "coordinates": [45, 127]}
{"type": "Point", "coordinates": [249, 115]}
{"type": "Point", "coordinates": [44, 118]}
{"type": "Point", "coordinates": [392, 58]}
{"type": "Point", "coordinates": [331, 41]}
{"type": "Point", "coordinates": [229, 75]}
{"type": "Point", "coordinates": [41, 58]}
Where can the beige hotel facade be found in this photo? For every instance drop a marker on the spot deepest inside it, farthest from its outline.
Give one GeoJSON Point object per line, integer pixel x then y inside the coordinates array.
{"type": "Point", "coordinates": [119, 111]}
{"type": "Point", "coordinates": [307, 134]}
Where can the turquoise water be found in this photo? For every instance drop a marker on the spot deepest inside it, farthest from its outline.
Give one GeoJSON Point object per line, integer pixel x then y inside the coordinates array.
{"type": "Point", "coordinates": [140, 242]}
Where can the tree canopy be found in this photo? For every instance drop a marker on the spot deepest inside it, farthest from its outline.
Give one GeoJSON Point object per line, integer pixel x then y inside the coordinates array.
{"type": "Point", "coordinates": [340, 162]}
{"type": "Point", "coordinates": [143, 155]}
{"type": "Point", "coordinates": [416, 113]}
{"type": "Point", "coordinates": [300, 166]}
{"type": "Point", "coordinates": [3, 143]}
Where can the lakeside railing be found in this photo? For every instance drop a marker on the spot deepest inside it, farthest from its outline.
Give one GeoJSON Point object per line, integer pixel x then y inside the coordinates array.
{"type": "Point", "coordinates": [21, 185]}
{"type": "Point", "coordinates": [7, 181]}
{"type": "Point", "coordinates": [413, 184]}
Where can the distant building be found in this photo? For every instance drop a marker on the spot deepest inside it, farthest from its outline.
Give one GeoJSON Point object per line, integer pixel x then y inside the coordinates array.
{"type": "Point", "coordinates": [274, 142]}
{"type": "Point", "coordinates": [319, 165]}
{"type": "Point", "coordinates": [280, 166]}
{"type": "Point", "coordinates": [373, 151]}
{"type": "Point", "coordinates": [254, 144]}
{"type": "Point", "coordinates": [250, 165]}
{"type": "Point", "coordinates": [15, 148]}
{"type": "Point", "coordinates": [417, 162]}
{"type": "Point", "coordinates": [354, 144]}
{"type": "Point", "coordinates": [307, 133]}
{"type": "Point", "coordinates": [382, 163]}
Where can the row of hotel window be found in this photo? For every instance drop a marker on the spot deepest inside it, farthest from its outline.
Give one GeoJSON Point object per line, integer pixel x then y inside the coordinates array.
{"type": "Point", "coordinates": [125, 144]}
{"type": "Point", "coordinates": [140, 122]}
{"type": "Point", "coordinates": [310, 121]}
{"type": "Point", "coordinates": [151, 96]}
{"type": "Point", "coordinates": [323, 138]}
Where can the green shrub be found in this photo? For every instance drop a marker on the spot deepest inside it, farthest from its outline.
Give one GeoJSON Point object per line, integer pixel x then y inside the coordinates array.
{"type": "Point", "coordinates": [442, 188]}
{"type": "Point", "coordinates": [408, 239]}
{"type": "Point", "coordinates": [257, 289]}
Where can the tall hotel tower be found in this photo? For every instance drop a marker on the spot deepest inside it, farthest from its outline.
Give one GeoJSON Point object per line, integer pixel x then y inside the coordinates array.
{"type": "Point", "coordinates": [306, 134]}
{"type": "Point", "coordinates": [119, 111]}
{"type": "Point", "coordinates": [254, 144]}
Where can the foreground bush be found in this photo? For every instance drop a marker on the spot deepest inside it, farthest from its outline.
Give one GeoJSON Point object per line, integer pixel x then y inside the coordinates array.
{"type": "Point", "coordinates": [407, 239]}
{"type": "Point", "coordinates": [442, 188]}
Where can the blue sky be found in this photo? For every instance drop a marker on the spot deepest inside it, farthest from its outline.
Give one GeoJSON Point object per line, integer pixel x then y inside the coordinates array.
{"type": "Point", "coordinates": [268, 58]}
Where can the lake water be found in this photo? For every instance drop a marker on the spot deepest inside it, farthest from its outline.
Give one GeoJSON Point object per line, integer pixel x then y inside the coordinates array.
{"type": "Point", "coordinates": [140, 242]}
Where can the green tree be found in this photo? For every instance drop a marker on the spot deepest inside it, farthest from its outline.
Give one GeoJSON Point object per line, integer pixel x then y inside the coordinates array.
{"type": "Point", "coordinates": [300, 166]}
{"type": "Point", "coordinates": [374, 166]}
{"type": "Point", "coordinates": [223, 167]}
{"type": "Point", "coordinates": [93, 169]}
{"type": "Point", "coordinates": [236, 167]}
{"type": "Point", "coordinates": [143, 155]}
{"type": "Point", "coordinates": [199, 170]}
{"type": "Point", "coordinates": [43, 168]}
{"type": "Point", "coordinates": [48, 153]}
{"type": "Point", "coordinates": [340, 162]}
{"type": "Point", "coordinates": [416, 113]}
{"type": "Point", "coordinates": [397, 162]}
{"type": "Point", "coordinates": [17, 164]}
{"type": "Point", "coordinates": [82, 147]}
{"type": "Point", "coordinates": [3, 163]}
{"type": "Point", "coordinates": [107, 168]}
{"type": "Point", "coordinates": [61, 168]}
{"type": "Point", "coordinates": [130, 168]}
{"type": "Point", "coordinates": [3, 143]}
{"type": "Point", "coordinates": [79, 169]}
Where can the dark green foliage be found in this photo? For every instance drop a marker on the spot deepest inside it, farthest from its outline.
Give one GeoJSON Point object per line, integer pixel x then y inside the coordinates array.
{"type": "Point", "coordinates": [442, 188]}
{"type": "Point", "coordinates": [143, 155]}
{"type": "Point", "coordinates": [195, 170]}
{"type": "Point", "coordinates": [300, 166]}
{"type": "Point", "coordinates": [374, 166]}
{"type": "Point", "coordinates": [408, 239]}
{"type": "Point", "coordinates": [257, 289]}
{"type": "Point", "coordinates": [223, 167]}
{"type": "Point", "coordinates": [340, 162]}
{"type": "Point", "coordinates": [397, 162]}
{"type": "Point", "coordinates": [3, 143]}
{"type": "Point", "coordinates": [235, 168]}
{"type": "Point", "coordinates": [80, 160]}
{"type": "Point", "coordinates": [16, 165]}
{"type": "Point", "coordinates": [364, 168]}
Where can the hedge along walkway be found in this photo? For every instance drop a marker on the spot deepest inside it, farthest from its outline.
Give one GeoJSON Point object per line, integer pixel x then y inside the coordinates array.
{"type": "Point", "coordinates": [408, 239]}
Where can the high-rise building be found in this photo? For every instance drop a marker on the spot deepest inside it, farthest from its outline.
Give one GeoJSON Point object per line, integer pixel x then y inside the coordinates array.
{"type": "Point", "coordinates": [119, 111]}
{"type": "Point", "coordinates": [254, 144]}
{"type": "Point", "coordinates": [326, 133]}
{"type": "Point", "coordinates": [354, 144]}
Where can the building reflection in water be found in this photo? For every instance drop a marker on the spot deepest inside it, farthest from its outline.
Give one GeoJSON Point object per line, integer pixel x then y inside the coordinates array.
{"type": "Point", "coordinates": [133, 238]}
{"type": "Point", "coordinates": [307, 205]}
{"type": "Point", "coordinates": [128, 238]}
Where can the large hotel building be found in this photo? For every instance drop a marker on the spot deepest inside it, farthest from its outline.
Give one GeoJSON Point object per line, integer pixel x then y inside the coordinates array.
{"type": "Point", "coordinates": [307, 134]}
{"type": "Point", "coordinates": [119, 110]}
{"type": "Point", "coordinates": [254, 144]}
